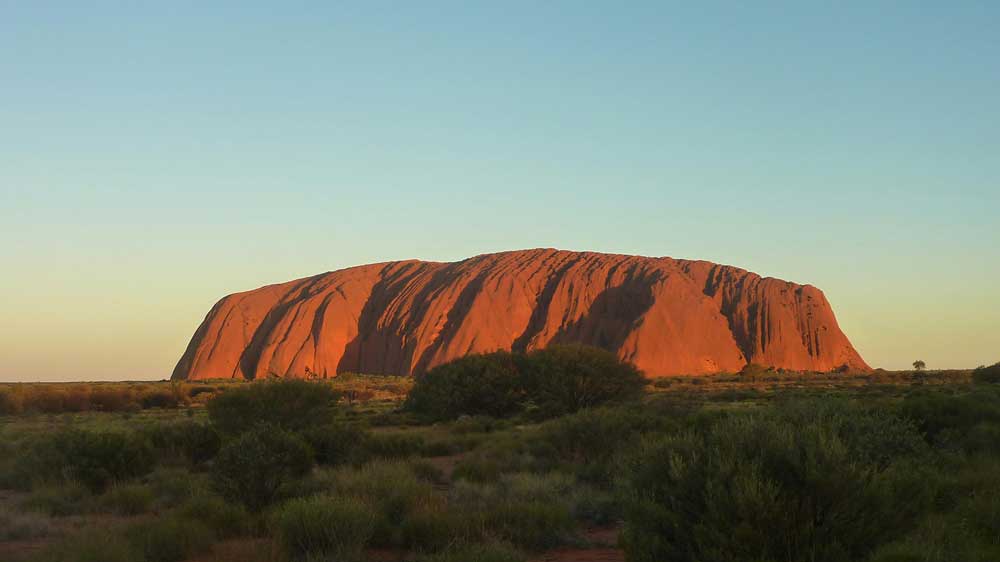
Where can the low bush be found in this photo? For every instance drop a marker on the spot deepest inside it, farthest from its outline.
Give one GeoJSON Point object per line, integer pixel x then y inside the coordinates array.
{"type": "Point", "coordinates": [196, 443]}
{"type": "Point", "coordinates": [90, 545]}
{"type": "Point", "coordinates": [563, 379]}
{"type": "Point", "coordinates": [533, 524]}
{"type": "Point", "coordinates": [255, 468]}
{"type": "Point", "coordinates": [491, 552]}
{"type": "Point", "coordinates": [294, 405]}
{"type": "Point", "coordinates": [476, 424]}
{"type": "Point", "coordinates": [807, 484]}
{"type": "Point", "coordinates": [323, 527]}
{"type": "Point", "coordinates": [987, 375]}
{"type": "Point", "coordinates": [594, 506]}
{"type": "Point", "coordinates": [433, 526]}
{"type": "Point", "coordinates": [199, 390]}
{"type": "Point", "coordinates": [390, 487]}
{"type": "Point", "coordinates": [388, 446]}
{"type": "Point", "coordinates": [169, 539]}
{"type": "Point", "coordinates": [58, 499]}
{"type": "Point", "coordinates": [224, 519]}
{"type": "Point", "coordinates": [533, 511]}
{"type": "Point", "coordinates": [487, 466]}
{"type": "Point", "coordinates": [966, 531]}
{"type": "Point", "coordinates": [17, 526]}
{"type": "Point", "coordinates": [93, 458]}
{"type": "Point", "coordinates": [586, 443]}
{"type": "Point", "coordinates": [112, 399]}
{"type": "Point", "coordinates": [427, 471]}
{"type": "Point", "coordinates": [10, 403]}
{"type": "Point", "coordinates": [590, 441]}
{"type": "Point", "coordinates": [549, 382]}
{"type": "Point", "coordinates": [488, 384]}
{"type": "Point", "coordinates": [172, 485]}
{"type": "Point", "coordinates": [950, 420]}
{"type": "Point", "coordinates": [127, 499]}
{"type": "Point", "coordinates": [335, 444]}
{"type": "Point", "coordinates": [162, 398]}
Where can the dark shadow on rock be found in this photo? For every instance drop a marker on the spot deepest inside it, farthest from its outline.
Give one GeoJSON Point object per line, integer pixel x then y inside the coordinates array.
{"type": "Point", "coordinates": [386, 340]}
{"type": "Point", "coordinates": [541, 311]}
{"type": "Point", "coordinates": [614, 314]}
{"type": "Point", "coordinates": [251, 355]}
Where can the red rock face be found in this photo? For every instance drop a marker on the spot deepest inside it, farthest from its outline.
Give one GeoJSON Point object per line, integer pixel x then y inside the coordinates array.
{"type": "Point", "coordinates": [667, 316]}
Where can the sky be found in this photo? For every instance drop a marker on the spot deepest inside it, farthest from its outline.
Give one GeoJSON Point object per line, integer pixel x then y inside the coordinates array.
{"type": "Point", "coordinates": [157, 156]}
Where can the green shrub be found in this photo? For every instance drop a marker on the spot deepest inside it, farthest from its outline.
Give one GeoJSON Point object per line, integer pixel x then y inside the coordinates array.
{"type": "Point", "coordinates": [433, 526]}
{"type": "Point", "coordinates": [294, 405]}
{"type": "Point", "coordinates": [563, 379]}
{"type": "Point", "coordinates": [112, 399]}
{"type": "Point", "coordinates": [195, 442]}
{"type": "Point", "coordinates": [589, 442]}
{"type": "Point", "coordinates": [335, 444]}
{"type": "Point", "coordinates": [802, 485]}
{"type": "Point", "coordinates": [560, 491]}
{"type": "Point", "coordinates": [427, 471]}
{"type": "Point", "coordinates": [224, 519]}
{"type": "Point", "coordinates": [533, 524]}
{"type": "Point", "coordinates": [199, 390]}
{"type": "Point", "coordinates": [947, 419]}
{"type": "Point", "coordinates": [941, 538]}
{"type": "Point", "coordinates": [487, 384]}
{"type": "Point", "coordinates": [390, 487]}
{"type": "Point", "coordinates": [10, 403]}
{"type": "Point", "coordinates": [59, 499]}
{"type": "Point", "coordinates": [476, 424]}
{"type": "Point", "coordinates": [387, 446]}
{"type": "Point", "coordinates": [310, 528]}
{"type": "Point", "coordinates": [548, 382]}
{"type": "Point", "coordinates": [169, 539]}
{"type": "Point", "coordinates": [15, 526]}
{"type": "Point", "coordinates": [172, 486]}
{"type": "Point", "coordinates": [127, 499]}
{"type": "Point", "coordinates": [597, 507]}
{"type": "Point", "coordinates": [92, 545]}
{"type": "Point", "coordinates": [493, 552]}
{"type": "Point", "coordinates": [255, 468]}
{"type": "Point", "coordinates": [982, 375]}
{"type": "Point", "coordinates": [160, 399]}
{"type": "Point", "coordinates": [479, 468]}
{"type": "Point", "coordinates": [93, 458]}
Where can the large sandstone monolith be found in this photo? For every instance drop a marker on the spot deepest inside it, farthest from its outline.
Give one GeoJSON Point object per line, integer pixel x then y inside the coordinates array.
{"type": "Point", "coordinates": [668, 316]}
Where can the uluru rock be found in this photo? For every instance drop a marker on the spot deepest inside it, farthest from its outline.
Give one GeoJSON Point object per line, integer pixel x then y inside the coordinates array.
{"type": "Point", "coordinates": [668, 316]}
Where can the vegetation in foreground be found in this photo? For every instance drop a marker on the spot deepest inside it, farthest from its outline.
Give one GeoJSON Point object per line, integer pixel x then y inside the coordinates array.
{"type": "Point", "coordinates": [757, 466]}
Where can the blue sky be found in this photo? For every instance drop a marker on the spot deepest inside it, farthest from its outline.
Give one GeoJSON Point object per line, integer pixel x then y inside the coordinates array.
{"type": "Point", "coordinates": [154, 158]}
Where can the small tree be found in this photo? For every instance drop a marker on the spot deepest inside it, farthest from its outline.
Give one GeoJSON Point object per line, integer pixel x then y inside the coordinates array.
{"type": "Point", "coordinates": [255, 468]}
{"type": "Point", "coordinates": [557, 380]}
{"type": "Point", "coordinates": [294, 405]}
{"type": "Point", "coordinates": [562, 379]}
{"type": "Point", "coordinates": [919, 365]}
{"type": "Point", "coordinates": [487, 384]}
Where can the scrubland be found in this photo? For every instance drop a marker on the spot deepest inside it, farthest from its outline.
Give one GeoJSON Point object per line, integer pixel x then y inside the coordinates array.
{"type": "Point", "coordinates": [506, 458]}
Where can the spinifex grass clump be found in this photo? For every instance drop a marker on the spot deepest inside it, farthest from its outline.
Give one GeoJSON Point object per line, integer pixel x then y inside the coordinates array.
{"type": "Point", "coordinates": [322, 527]}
